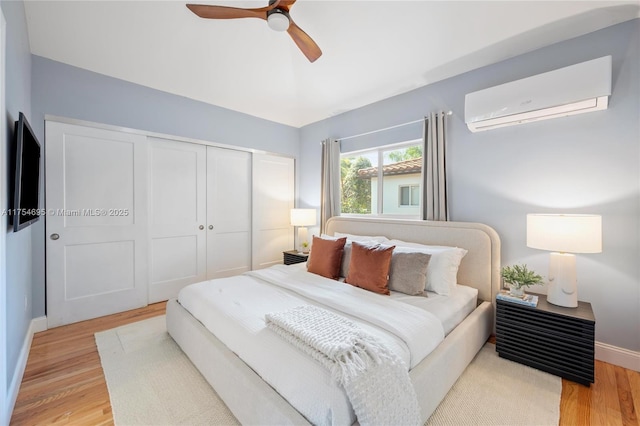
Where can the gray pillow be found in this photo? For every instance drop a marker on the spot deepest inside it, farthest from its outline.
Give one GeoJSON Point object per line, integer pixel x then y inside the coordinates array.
{"type": "Point", "coordinates": [346, 259]}
{"type": "Point", "coordinates": [408, 272]}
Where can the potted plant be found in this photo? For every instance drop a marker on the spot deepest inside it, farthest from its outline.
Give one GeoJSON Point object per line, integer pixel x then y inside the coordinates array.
{"type": "Point", "coordinates": [518, 277]}
{"type": "Point", "coordinates": [305, 247]}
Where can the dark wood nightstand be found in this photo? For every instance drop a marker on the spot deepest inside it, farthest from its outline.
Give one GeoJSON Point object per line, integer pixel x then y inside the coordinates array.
{"type": "Point", "coordinates": [293, 256]}
{"type": "Point", "coordinates": [551, 338]}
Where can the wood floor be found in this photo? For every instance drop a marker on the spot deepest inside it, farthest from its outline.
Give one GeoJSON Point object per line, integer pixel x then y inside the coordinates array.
{"type": "Point", "coordinates": [64, 383]}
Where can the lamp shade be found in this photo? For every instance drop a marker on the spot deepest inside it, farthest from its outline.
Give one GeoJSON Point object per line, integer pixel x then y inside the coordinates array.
{"type": "Point", "coordinates": [565, 233]}
{"type": "Point", "coordinates": [303, 217]}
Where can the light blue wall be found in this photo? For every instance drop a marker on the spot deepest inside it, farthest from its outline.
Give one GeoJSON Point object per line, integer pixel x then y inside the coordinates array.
{"type": "Point", "coordinates": [66, 91]}
{"type": "Point", "coordinates": [19, 250]}
{"type": "Point", "coordinates": [587, 163]}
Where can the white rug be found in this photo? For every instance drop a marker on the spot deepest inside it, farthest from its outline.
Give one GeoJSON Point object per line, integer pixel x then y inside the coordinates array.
{"type": "Point", "coordinates": [151, 382]}
{"type": "Point", "coordinates": [496, 391]}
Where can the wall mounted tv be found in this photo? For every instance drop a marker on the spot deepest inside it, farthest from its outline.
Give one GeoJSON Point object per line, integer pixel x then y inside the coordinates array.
{"type": "Point", "coordinates": [26, 185]}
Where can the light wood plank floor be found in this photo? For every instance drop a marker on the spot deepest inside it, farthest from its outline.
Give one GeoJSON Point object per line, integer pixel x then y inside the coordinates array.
{"type": "Point", "coordinates": [64, 383]}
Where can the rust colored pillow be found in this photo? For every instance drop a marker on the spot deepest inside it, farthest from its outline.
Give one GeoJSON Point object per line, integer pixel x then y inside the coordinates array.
{"type": "Point", "coordinates": [326, 257]}
{"type": "Point", "coordinates": [369, 267]}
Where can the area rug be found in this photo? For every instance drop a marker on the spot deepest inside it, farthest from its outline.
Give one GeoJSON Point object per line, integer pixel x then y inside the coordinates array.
{"type": "Point", "coordinates": [152, 382]}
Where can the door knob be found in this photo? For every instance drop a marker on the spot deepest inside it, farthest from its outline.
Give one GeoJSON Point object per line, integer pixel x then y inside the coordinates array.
{"type": "Point", "coordinates": [201, 227]}
{"type": "Point", "coordinates": [54, 236]}
{"type": "Point", "coordinates": [210, 226]}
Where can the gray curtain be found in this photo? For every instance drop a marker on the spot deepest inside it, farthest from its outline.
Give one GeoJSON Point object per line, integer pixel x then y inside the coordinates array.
{"type": "Point", "coordinates": [330, 202]}
{"type": "Point", "coordinates": [434, 173]}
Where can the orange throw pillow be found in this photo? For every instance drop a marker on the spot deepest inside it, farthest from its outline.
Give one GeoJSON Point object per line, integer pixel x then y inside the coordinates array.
{"type": "Point", "coordinates": [326, 257]}
{"type": "Point", "coordinates": [369, 267]}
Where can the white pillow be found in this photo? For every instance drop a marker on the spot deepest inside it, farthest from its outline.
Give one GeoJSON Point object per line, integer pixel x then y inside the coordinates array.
{"type": "Point", "coordinates": [361, 238]}
{"type": "Point", "coordinates": [442, 271]}
{"type": "Point", "coordinates": [328, 237]}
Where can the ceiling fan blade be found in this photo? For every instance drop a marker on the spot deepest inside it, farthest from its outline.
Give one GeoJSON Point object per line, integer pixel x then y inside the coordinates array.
{"type": "Point", "coordinates": [224, 12]}
{"type": "Point", "coordinates": [304, 42]}
{"type": "Point", "coordinates": [286, 4]}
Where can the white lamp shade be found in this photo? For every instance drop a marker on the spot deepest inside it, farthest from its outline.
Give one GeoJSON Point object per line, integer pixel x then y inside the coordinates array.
{"type": "Point", "coordinates": [565, 233]}
{"type": "Point", "coordinates": [303, 217]}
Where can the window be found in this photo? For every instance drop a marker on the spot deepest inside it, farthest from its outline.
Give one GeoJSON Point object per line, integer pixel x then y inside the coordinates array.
{"type": "Point", "coordinates": [382, 181]}
{"type": "Point", "coordinates": [408, 195]}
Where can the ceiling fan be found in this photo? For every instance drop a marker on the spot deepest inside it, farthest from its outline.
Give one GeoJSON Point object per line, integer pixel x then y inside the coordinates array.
{"type": "Point", "coordinates": [276, 15]}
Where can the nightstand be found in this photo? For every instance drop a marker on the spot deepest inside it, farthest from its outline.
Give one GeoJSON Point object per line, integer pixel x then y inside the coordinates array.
{"type": "Point", "coordinates": [550, 338]}
{"type": "Point", "coordinates": [293, 256]}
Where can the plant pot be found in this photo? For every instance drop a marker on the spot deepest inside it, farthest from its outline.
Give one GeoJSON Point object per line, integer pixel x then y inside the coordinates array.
{"type": "Point", "coordinates": [516, 291]}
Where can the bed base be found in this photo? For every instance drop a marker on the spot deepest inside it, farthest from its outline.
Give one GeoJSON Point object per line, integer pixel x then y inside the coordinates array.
{"type": "Point", "coordinates": [254, 402]}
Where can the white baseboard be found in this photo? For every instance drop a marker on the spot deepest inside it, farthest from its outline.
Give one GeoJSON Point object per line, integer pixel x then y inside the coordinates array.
{"type": "Point", "coordinates": [618, 356]}
{"type": "Point", "coordinates": [39, 324]}
{"type": "Point", "coordinates": [36, 325]}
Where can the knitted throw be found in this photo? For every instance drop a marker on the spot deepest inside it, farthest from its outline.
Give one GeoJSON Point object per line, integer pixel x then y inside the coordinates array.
{"type": "Point", "coordinates": [375, 379]}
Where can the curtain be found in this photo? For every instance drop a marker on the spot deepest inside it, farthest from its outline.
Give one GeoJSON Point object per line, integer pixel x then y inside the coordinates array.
{"type": "Point", "coordinates": [434, 174]}
{"type": "Point", "coordinates": [330, 190]}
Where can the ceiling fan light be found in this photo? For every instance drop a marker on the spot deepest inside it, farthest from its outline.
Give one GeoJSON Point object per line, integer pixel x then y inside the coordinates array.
{"type": "Point", "coordinates": [278, 21]}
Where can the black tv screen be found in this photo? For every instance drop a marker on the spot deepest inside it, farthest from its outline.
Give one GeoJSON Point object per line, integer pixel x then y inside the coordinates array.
{"type": "Point", "coordinates": [26, 196]}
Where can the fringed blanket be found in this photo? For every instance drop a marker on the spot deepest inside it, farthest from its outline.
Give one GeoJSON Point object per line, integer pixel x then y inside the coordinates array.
{"type": "Point", "coordinates": [375, 379]}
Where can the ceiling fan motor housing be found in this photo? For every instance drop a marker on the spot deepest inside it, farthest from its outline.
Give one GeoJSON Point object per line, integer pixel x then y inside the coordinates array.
{"type": "Point", "coordinates": [278, 19]}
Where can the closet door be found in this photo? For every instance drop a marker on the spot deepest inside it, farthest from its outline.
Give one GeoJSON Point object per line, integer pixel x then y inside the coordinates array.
{"type": "Point", "coordinates": [228, 212]}
{"type": "Point", "coordinates": [96, 222]}
{"type": "Point", "coordinates": [273, 198]}
{"type": "Point", "coordinates": [177, 202]}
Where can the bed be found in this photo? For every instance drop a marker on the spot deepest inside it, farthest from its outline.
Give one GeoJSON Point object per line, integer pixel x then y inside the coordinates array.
{"type": "Point", "coordinates": [255, 400]}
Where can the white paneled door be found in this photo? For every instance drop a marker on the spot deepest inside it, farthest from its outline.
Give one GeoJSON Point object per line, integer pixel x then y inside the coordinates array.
{"type": "Point", "coordinates": [177, 193]}
{"type": "Point", "coordinates": [273, 198]}
{"type": "Point", "coordinates": [133, 218]}
{"type": "Point", "coordinates": [96, 223]}
{"type": "Point", "coordinates": [228, 212]}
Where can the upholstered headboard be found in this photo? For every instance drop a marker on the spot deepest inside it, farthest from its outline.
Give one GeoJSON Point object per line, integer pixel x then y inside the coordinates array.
{"type": "Point", "coordinates": [480, 268]}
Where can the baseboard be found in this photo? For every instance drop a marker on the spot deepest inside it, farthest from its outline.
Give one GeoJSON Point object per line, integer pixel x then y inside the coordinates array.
{"type": "Point", "coordinates": [618, 356]}
{"type": "Point", "coordinates": [39, 324]}
{"type": "Point", "coordinates": [36, 325]}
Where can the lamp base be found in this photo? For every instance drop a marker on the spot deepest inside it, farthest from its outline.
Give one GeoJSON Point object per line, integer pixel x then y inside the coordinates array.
{"type": "Point", "coordinates": [303, 237]}
{"type": "Point", "coordinates": [563, 287]}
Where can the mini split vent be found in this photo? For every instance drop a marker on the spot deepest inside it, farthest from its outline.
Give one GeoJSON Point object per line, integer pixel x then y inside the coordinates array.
{"type": "Point", "coordinates": [575, 89]}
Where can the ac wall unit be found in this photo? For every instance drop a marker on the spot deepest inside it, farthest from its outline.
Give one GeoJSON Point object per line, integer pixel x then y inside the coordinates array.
{"type": "Point", "coordinates": [575, 89]}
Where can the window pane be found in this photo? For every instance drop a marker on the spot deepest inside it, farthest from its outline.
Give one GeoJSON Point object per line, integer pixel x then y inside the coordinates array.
{"type": "Point", "coordinates": [415, 195]}
{"type": "Point", "coordinates": [358, 181]}
{"type": "Point", "coordinates": [404, 196]}
{"type": "Point", "coordinates": [406, 153]}
{"type": "Point", "coordinates": [402, 171]}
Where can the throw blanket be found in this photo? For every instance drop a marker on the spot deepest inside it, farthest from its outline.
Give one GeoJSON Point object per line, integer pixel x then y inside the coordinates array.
{"type": "Point", "coordinates": [375, 379]}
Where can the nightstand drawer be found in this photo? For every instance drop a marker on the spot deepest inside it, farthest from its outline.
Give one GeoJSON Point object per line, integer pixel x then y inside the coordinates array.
{"type": "Point", "coordinates": [293, 256]}
{"type": "Point", "coordinates": [557, 340]}
{"type": "Point", "coordinates": [548, 323]}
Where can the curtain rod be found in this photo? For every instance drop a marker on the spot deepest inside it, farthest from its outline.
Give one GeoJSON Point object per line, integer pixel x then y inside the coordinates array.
{"type": "Point", "coordinates": [386, 128]}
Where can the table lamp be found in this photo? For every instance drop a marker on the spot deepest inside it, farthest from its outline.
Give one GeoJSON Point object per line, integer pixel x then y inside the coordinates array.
{"type": "Point", "coordinates": [563, 235]}
{"type": "Point", "coordinates": [303, 218]}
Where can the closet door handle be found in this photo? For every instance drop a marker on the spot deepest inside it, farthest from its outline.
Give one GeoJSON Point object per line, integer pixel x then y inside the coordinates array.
{"type": "Point", "coordinates": [201, 227]}
{"type": "Point", "coordinates": [210, 226]}
{"type": "Point", "coordinates": [54, 236]}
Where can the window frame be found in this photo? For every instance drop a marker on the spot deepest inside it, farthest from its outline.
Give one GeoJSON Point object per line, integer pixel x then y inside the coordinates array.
{"type": "Point", "coordinates": [410, 187]}
{"type": "Point", "coordinates": [381, 149]}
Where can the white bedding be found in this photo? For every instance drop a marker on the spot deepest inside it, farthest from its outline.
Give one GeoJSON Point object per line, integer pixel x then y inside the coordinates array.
{"type": "Point", "coordinates": [450, 310]}
{"type": "Point", "coordinates": [234, 308]}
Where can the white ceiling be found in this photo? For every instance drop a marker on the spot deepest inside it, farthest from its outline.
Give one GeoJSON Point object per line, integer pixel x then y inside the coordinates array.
{"type": "Point", "coordinates": [371, 49]}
